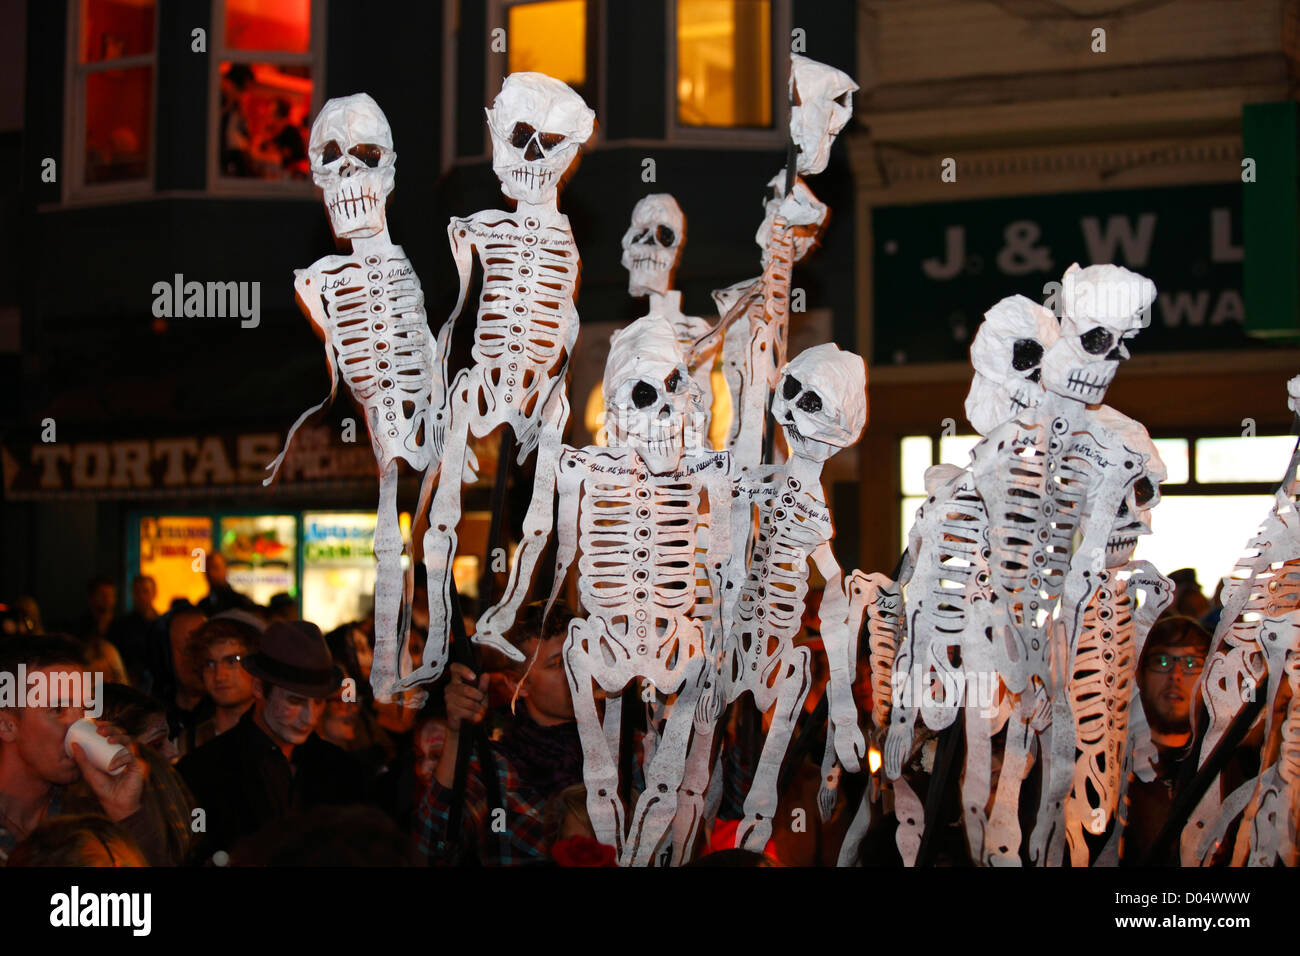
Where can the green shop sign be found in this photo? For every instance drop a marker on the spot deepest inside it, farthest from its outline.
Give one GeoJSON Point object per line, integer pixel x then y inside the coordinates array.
{"type": "Point", "coordinates": [940, 266]}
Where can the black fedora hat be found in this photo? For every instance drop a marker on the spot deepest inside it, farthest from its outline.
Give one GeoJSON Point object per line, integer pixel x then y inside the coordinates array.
{"type": "Point", "coordinates": [294, 655]}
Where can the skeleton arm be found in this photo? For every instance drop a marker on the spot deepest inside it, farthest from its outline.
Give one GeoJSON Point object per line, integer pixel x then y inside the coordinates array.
{"type": "Point", "coordinates": [462, 251]}
{"type": "Point", "coordinates": [841, 653]}
{"type": "Point", "coordinates": [306, 284]}
{"type": "Point", "coordinates": [571, 473]}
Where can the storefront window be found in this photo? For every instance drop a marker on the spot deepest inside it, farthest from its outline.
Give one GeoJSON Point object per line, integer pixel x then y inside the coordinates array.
{"type": "Point", "coordinates": [338, 567]}
{"type": "Point", "coordinates": [169, 552]}
{"type": "Point", "coordinates": [724, 63]}
{"type": "Point", "coordinates": [268, 67]}
{"type": "Point", "coordinates": [111, 93]}
{"type": "Point", "coordinates": [261, 553]}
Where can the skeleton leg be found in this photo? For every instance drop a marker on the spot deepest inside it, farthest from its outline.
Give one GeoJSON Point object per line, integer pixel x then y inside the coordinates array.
{"type": "Point", "coordinates": [440, 538]}
{"type": "Point", "coordinates": [760, 802]}
{"type": "Point", "coordinates": [664, 775]}
{"type": "Point", "coordinates": [857, 832]}
{"type": "Point", "coordinates": [599, 769]}
{"type": "Point", "coordinates": [493, 625]}
{"type": "Point", "coordinates": [695, 782]}
{"type": "Point", "coordinates": [1046, 841]}
{"type": "Point", "coordinates": [1002, 838]}
{"type": "Point", "coordinates": [388, 589]}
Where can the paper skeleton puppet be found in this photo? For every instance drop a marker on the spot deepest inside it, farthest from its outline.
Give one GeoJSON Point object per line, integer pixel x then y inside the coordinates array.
{"type": "Point", "coordinates": [821, 404]}
{"type": "Point", "coordinates": [755, 314]}
{"type": "Point", "coordinates": [634, 510]}
{"type": "Point", "coordinates": [944, 573]}
{"type": "Point", "coordinates": [1112, 738]}
{"type": "Point", "coordinates": [368, 308]}
{"type": "Point", "coordinates": [1254, 653]}
{"type": "Point", "coordinates": [652, 250]}
{"type": "Point", "coordinates": [525, 332]}
{"type": "Point", "coordinates": [1045, 475]}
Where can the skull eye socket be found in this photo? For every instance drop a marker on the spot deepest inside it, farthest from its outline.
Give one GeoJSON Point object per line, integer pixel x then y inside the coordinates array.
{"type": "Point", "coordinates": [644, 394]}
{"type": "Point", "coordinates": [673, 380]}
{"type": "Point", "coordinates": [844, 98]}
{"type": "Point", "coordinates": [1143, 492]}
{"type": "Point", "coordinates": [550, 140]}
{"type": "Point", "coordinates": [809, 402]}
{"type": "Point", "coordinates": [330, 153]}
{"type": "Point", "coordinates": [774, 194]}
{"type": "Point", "coordinates": [1026, 354]}
{"type": "Point", "coordinates": [368, 153]}
{"type": "Point", "coordinates": [791, 387]}
{"type": "Point", "coordinates": [520, 135]}
{"type": "Point", "coordinates": [1095, 341]}
{"type": "Point", "coordinates": [665, 236]}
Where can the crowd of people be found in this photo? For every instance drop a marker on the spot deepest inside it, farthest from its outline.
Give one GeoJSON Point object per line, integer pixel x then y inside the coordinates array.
{"type": "Point", "coordinates": [253, 738]}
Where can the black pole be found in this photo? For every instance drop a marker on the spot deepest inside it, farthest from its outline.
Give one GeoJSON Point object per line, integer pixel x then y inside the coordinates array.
{"type": "Point", "coordinates": [936, 796]}
{"type": "Point", "coordinates": [496, 529]}
{"type": "Point", "coordinates": [625, 742]}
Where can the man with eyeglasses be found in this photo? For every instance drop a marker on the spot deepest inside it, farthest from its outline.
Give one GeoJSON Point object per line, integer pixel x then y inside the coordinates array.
{"type": "Point", "coordinates": [219, 646]}
{"type": "Point", "coordinates": [1172, 660]}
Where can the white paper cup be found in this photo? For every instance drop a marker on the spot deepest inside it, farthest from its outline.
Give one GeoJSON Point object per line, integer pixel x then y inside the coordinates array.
{"type": "Point", "coordinates": [98, 749]}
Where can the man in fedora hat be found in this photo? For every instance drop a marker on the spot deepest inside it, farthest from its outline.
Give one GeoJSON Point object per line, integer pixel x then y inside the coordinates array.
{"type": "Point", "coordinates": [271, 765]}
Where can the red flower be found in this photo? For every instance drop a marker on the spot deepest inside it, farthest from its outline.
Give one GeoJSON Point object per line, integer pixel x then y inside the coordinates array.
{"type": "Point", "coordinates": [582, 851]}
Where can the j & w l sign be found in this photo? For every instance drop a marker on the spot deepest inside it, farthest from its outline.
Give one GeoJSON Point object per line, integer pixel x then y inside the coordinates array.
{"type": "Point", "coordinates": [935, 263]}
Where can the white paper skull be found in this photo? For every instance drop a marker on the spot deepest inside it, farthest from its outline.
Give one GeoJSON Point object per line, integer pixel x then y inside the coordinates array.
{"type": "Point", "coordinates": [1102, 306]}
{"type": "Point", "coordinates": [1007, 355]}
{"type": "Point", "coordinates": [1134, 518]}
{"type": "Point", "coordinates": [652, 245]}
{"type": "Point", "coordinates": [537, 125]}
{"type": "Point", "coordinates": [352, 161]}
{"type": "Point", "coordinates": [821, 99]}
{"type": "Point", "coordinates": [803, 212]}
{"type": "Point", "coordinates": [650, 398]}
{"type": "Point", "coordinates": [821, 401]}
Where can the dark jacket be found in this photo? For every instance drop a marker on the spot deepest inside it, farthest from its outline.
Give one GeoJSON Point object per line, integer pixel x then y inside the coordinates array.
{"type": "Point", "coordinates": [242, 782]}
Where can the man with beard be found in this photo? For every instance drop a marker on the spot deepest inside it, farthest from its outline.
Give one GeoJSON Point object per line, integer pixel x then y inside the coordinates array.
{"type": "Point", "coordinates": [1172, 661]}
{"type": "Point", "coordinates": [539, 755]}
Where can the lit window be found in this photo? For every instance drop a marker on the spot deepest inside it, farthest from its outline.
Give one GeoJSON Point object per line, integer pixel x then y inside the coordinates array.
{"type": "Point", "coordinates": [555, 37]}
{"type": "Point", "coordinates": [1205, 532]}
{"type": "Point", "coordinates": [549, 37]}
{"type": "Point", "coordinates": [724, 63]}
{"type": "Point", "coordinates": [166, 549]}
{"type": "Point", "coordinates": [1173, 452]}
{"type": "Point", "coordinates": [1196, 524]}
{"type": "Point", "coordinates": [267, 72]}
{"type": "Point", "coordinates": [111, 93]}
{"type": "Point", "coordinates": [1242, 459]}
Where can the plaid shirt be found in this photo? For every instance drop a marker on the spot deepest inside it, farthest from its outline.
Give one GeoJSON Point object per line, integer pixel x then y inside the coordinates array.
{"type": "Point", "coordinates": [518, 839]}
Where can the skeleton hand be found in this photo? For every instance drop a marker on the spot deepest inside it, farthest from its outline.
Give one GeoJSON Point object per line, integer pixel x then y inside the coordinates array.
{"type": "Point", "coordinates": [850, 745]}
